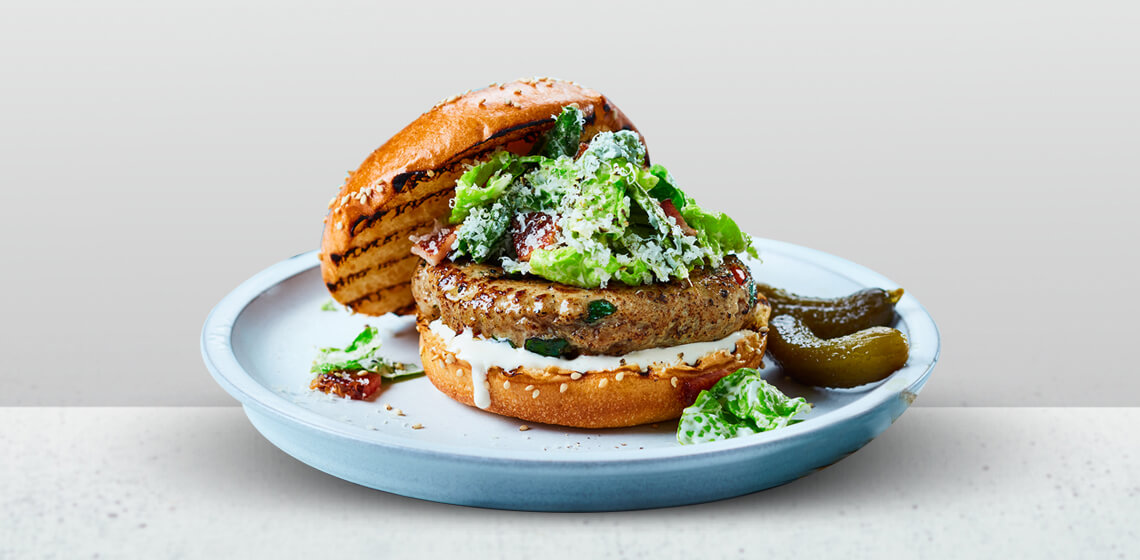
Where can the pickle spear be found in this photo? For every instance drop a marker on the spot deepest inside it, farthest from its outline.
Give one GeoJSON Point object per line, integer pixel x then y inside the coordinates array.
{"type": "Point", "coordinates": [832, 317]}
{"type": "Point", "coordinates": [866, 356]}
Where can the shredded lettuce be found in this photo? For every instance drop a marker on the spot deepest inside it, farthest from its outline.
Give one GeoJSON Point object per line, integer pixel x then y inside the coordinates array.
{"type": "Point", "coordinates": [740, 404]}
{"type": "Point", "coordinates": [361, 356]}
{"type": "Point", "coordinates": [607, 204]}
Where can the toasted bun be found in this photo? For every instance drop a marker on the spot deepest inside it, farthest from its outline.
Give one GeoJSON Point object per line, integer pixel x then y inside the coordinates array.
{"type": "Point", "coordinates": [596, 399]}
{"type": "Point", "coordinates": [408, 183]}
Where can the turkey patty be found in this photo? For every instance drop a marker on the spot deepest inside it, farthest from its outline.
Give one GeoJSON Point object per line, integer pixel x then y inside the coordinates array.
{"type": "Point", "coordinates": [711, 304]}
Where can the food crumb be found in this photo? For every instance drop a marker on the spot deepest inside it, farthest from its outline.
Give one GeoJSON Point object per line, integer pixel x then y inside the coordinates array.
{"type": "Point", "coordinates": [387, 406]}
{"type": "Point", "coordinates": [524, 428]}
{"type": "Point", "coordinates": [399, 412]}
{"type": "Point", "coordinates": [417, 426]}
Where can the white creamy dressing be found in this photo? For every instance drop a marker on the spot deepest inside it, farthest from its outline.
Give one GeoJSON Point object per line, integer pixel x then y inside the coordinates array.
{"type": "Point", "coordinates": [483, 354]}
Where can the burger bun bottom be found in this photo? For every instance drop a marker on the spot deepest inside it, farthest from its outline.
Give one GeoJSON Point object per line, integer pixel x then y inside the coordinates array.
{"type": "Point", "coordinates": [624, 397]}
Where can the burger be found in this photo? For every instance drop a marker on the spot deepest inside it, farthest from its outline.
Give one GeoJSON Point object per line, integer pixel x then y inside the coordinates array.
{"type": "Point", "coordinates": [556, 276]}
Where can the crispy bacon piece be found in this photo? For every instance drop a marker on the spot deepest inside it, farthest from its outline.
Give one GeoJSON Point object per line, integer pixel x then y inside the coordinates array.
{"type": "Point", "coordinates": [534, 230]}
{"type": "Point", "coordinates": [434, 247]}
{"type": "Point", "coordinates": [672, 212]}
{"type": "Point", "coordinates": [343, 384]}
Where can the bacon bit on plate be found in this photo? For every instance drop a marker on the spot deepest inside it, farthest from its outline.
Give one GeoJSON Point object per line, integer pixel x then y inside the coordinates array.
{"type": "Point", "coordinates": [672, 212]}
{"type": "Point", "coordinates": [434, 247]}
{"type": "Point", "coordinates": [534, 230]}
{"type": "Point", "coordinates": [344, 384]}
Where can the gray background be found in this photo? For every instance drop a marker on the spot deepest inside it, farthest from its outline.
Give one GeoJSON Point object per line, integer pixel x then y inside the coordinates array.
{"type": "Point", "coordinates": [982, 154]}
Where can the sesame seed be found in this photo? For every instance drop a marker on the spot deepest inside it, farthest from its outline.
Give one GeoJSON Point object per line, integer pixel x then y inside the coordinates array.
{"type": "Point", "coordinates": [399, 412]}
{"type": "Point", "coordinates": [575, 376]}
{"type": "Point", "coordinates": [417, 426]}
{"type": "Point", "coordinates": [562, 388]}
{"type": "Point", "coordinates": [764, 329]}
{"type": "Point", "coordinates": [620, 375]}
{"type": "Point", "coordinates": [534, 395]}
{"type": "Point", "coordinates": [430, 173]}
{"type": "Point", "coordinates": [507, 384]}
{"type": "Point", "coordinates": [339, 226]}
{"type": "Point", "coordinates": [449, 359]}
{"type": "Point", "coordinates": [603, 383]}
{"type": "Point", "coordinates": [524, 428]}
{"type": "Point", "coordinates": [459, 373]}
{"type": "Point", "coordinates": [528, 388]}
{"type": "Point", "coordinates": [673, 381]}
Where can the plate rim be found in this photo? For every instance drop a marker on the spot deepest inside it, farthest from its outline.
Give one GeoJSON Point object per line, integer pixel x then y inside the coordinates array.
{"type": "Point", "coordinates": [227, 371]}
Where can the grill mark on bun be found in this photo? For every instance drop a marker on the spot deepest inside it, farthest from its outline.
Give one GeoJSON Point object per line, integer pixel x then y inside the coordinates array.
{"type": "Point", "coordinates": [369, 219]}
{"type": "Point", "coordinates": [352, 277]}
{"type": "Point", "coordinates": [355, 252]}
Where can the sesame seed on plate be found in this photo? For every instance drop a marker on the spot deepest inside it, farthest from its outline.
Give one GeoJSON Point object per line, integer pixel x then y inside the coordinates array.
{"type": "Point", "coordinates": [524, 428]}
{"type": "Point", "coordinates": [417, 426]}
{"type": "Point", "coordinates": [387, 406]}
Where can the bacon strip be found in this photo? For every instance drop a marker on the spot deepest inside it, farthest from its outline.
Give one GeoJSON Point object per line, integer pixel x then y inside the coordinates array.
{"type": "Point", "coordinates": [671, 211]}
{"type": "Point", "coordinates": [534, 230]}
{"type": "Point", "coordinates": [357, 387]}
{"type": "Point", "coordinates": [435, 246]}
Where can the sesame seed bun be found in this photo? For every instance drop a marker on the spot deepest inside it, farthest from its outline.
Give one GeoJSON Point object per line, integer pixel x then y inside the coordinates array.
{"type": "Point", "coordinates": [610, 399]}
{"type": "Point", "coordinates": [408, 183]}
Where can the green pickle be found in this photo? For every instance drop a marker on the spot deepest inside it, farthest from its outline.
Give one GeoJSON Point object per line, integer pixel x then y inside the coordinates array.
{"type": "Point", "coordinates": [862, 357]}
{"type": "Point", "coordinates": [834, 317]}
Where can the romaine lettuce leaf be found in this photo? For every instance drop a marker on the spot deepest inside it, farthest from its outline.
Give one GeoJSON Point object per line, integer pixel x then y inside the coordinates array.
{"type": "Point", "coordinates": [717, 231]}
{"type": "Point", "coordinates": [738, 405]}
{"type": "Point", "coordinates": [664, 188]}
{"type": "Point", "coordinates": [564, 138]}
{"type": "Point", "coordinates": [361, 355]}
{"type": "Point", "coordinates": [482, 184]}
{"type": "Point", "coordinates": [570, 266]}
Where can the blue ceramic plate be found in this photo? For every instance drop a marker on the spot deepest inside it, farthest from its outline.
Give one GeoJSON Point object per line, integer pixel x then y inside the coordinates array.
{"type": "Point", "coordinates": [259, 341]}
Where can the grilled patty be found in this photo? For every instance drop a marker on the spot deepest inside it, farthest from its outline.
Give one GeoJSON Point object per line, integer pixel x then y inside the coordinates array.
{"type": "Point", "coordinates": [711, 304]}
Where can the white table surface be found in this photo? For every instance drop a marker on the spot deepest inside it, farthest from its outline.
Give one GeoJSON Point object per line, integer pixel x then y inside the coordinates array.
{"type": "Point", "coordinates": [201, 482]}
